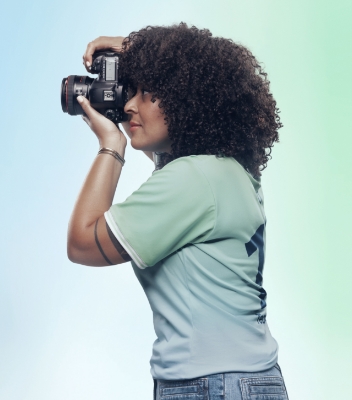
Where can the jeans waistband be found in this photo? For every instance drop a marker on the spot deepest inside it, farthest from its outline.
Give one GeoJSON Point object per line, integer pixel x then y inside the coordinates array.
{"type": "Point", "coordinates": [156, 382]}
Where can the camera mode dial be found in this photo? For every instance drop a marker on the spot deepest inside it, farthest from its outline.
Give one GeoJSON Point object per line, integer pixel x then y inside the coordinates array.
{"type": "Point", "coordinates": [110, 114]}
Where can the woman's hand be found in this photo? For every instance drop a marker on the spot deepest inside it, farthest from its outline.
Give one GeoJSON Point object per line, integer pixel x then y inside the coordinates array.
{"type": "Point", "coordinates": [101, 43]}
{"type": "Point", "coordinates": [106, 43]}
{"type": "Point", "coordinates": [108, 134]}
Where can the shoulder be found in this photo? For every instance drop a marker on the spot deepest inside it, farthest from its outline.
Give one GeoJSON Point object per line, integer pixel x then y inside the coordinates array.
{"type": "Point", "coordinates": [213, 168]}
{"type": "Point", "coordinates": [190, 173]}
{"type": "Point", "coordinates": [181, 180]}
{"type": "Point", "coordinates": [202, 163]}
{"type": "Point", "coordinates": [206, 172]}
{"type": "Point", "coordinates": [184, 170]}
{"type": "Point", "coordinates": [181, 164]}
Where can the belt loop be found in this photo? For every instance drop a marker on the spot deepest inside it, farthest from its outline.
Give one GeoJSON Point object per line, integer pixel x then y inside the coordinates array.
{"type": "Point", "coordinates": [155, 384]}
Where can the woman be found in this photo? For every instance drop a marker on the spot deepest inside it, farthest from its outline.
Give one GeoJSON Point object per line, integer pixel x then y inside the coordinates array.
{"type": "Point", "coordinates": [195, 231]}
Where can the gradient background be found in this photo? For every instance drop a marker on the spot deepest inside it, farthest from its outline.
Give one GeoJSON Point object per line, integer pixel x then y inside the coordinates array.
{"type": "Point", "coordinates": [74, 332]}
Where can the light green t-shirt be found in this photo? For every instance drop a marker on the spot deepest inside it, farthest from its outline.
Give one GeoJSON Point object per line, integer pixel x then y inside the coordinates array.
{"type": "Point", "coordinates": [196, 234]}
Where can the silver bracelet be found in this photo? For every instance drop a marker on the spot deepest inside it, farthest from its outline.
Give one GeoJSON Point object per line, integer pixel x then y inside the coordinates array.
{"type": "Point", "coordinates": [106, 150]}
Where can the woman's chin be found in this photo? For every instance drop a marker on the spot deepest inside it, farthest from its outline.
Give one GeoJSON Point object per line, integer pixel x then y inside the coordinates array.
{"type": "Point", "coordinates": [147, 147]}
{"type": "Point", "coordinates": [138, 146]}
{"type": "Point", "coordinates": [141, 146]}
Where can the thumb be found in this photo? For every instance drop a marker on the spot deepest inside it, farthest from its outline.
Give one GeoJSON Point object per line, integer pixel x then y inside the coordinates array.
{"type": "Point", "coordinates": [87, 108]}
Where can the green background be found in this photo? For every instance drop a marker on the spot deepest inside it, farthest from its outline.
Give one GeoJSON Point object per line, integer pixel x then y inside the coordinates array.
{"type": "Point", "coordinates": [74, 332]}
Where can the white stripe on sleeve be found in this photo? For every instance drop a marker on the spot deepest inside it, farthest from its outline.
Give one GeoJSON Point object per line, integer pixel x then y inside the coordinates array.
{"type": "Point", "coordinates": [119, 236]}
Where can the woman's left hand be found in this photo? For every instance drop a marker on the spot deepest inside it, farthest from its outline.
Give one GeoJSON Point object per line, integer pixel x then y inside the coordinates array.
{"type": "Point", "coordinates": [108, 134]}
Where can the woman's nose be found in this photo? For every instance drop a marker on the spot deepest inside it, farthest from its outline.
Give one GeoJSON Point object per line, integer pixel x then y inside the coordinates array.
{"type": "Point", "coordinates": [131, 106]}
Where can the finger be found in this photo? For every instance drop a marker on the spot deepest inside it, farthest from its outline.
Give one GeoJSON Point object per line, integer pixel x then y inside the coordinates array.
{"type": "Point", "coordinates": [87, 56]}
{"type": "Point", "coordinates": [84, 63]}
{"type": "Point", "coordinates": [86, 120]}
{"type": "Point", "coordinates": [102, 42]}
{"type": "Point", "coordinates": [84, 103]}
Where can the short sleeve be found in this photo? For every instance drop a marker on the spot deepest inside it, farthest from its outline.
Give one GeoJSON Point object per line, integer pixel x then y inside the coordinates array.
{"type": "Point", "coordinates": [174, 207]}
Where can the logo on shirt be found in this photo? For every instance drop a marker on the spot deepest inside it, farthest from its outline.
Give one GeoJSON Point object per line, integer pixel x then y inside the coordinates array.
{"type": "Point", "coordinates": [261, 318]}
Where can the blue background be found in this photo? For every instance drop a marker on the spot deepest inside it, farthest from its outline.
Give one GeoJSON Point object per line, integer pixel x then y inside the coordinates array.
{"type": "Point", "coordinates": [74, 332]}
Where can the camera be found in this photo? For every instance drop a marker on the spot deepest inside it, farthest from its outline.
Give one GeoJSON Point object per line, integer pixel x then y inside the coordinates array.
{"type": "Point", "coordinates": [107, 93]}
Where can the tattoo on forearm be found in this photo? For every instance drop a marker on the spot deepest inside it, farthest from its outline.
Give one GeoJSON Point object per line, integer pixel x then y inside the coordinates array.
{"type": "Point", "coordinates": [117, 245]}
{"type": "Point", "coordinates": [98, 244]}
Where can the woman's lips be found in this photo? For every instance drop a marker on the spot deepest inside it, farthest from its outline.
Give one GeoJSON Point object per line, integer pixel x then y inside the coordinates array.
{"type": "Point", "coordinates": [134, 125]}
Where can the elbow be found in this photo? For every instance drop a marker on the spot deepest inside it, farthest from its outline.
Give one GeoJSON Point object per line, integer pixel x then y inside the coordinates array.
{"type": "Point", "coordinates": [75, 243]}
{"type": "Point", "coordinates": [79, 249]}
{"type": "Point", "coordinates": [72, 253]}
{"type": "Point", "coordinates": [75, 247]}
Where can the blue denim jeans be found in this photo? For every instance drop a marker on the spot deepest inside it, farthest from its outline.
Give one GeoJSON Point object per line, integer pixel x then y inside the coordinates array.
{"type": "Point", "coordinates": [264, 385]}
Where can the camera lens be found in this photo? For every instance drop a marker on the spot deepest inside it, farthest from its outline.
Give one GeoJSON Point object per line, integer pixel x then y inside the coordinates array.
{"type": "Point", "coordinates": [71, 87]}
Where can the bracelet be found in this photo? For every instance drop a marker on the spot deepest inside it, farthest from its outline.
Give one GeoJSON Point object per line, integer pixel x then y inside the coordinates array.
{"type": "Point", "coordinates": [106, 150]}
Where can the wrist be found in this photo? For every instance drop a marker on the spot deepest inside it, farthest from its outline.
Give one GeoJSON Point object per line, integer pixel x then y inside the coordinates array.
{"type": "Point", "coordinates": [113, 153]}
{"type": "Point", "coordinates": [116, 145]}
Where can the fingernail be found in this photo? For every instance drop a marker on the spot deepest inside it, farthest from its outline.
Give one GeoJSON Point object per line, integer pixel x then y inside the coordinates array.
{"type": "Point", "coordinates": [88, 64]}
{"type": "Point", "coordinates": [80, 99]}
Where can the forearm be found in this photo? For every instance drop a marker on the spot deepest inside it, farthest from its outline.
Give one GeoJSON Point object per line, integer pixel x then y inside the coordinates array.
{"type": "Point", "coordinates": [97, 193]}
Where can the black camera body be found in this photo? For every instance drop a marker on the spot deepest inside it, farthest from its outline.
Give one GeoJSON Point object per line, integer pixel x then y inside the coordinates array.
{"type": "Point", "coordinates": [107, 93]}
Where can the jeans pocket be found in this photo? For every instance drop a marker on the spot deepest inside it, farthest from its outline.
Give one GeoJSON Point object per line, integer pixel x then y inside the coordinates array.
{"type": "Point", "coordinates": [193, 389]}
{"type": "Point", "coordinates": [263, 388]}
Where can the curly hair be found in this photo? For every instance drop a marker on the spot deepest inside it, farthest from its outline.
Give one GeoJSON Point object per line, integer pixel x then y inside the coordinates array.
{"type": "Point", "coordinates": [213, 92]}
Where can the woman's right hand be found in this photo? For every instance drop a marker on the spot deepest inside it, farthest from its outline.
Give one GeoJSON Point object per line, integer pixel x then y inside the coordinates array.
{"type": "Point", "coordinates": [102, 42]}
